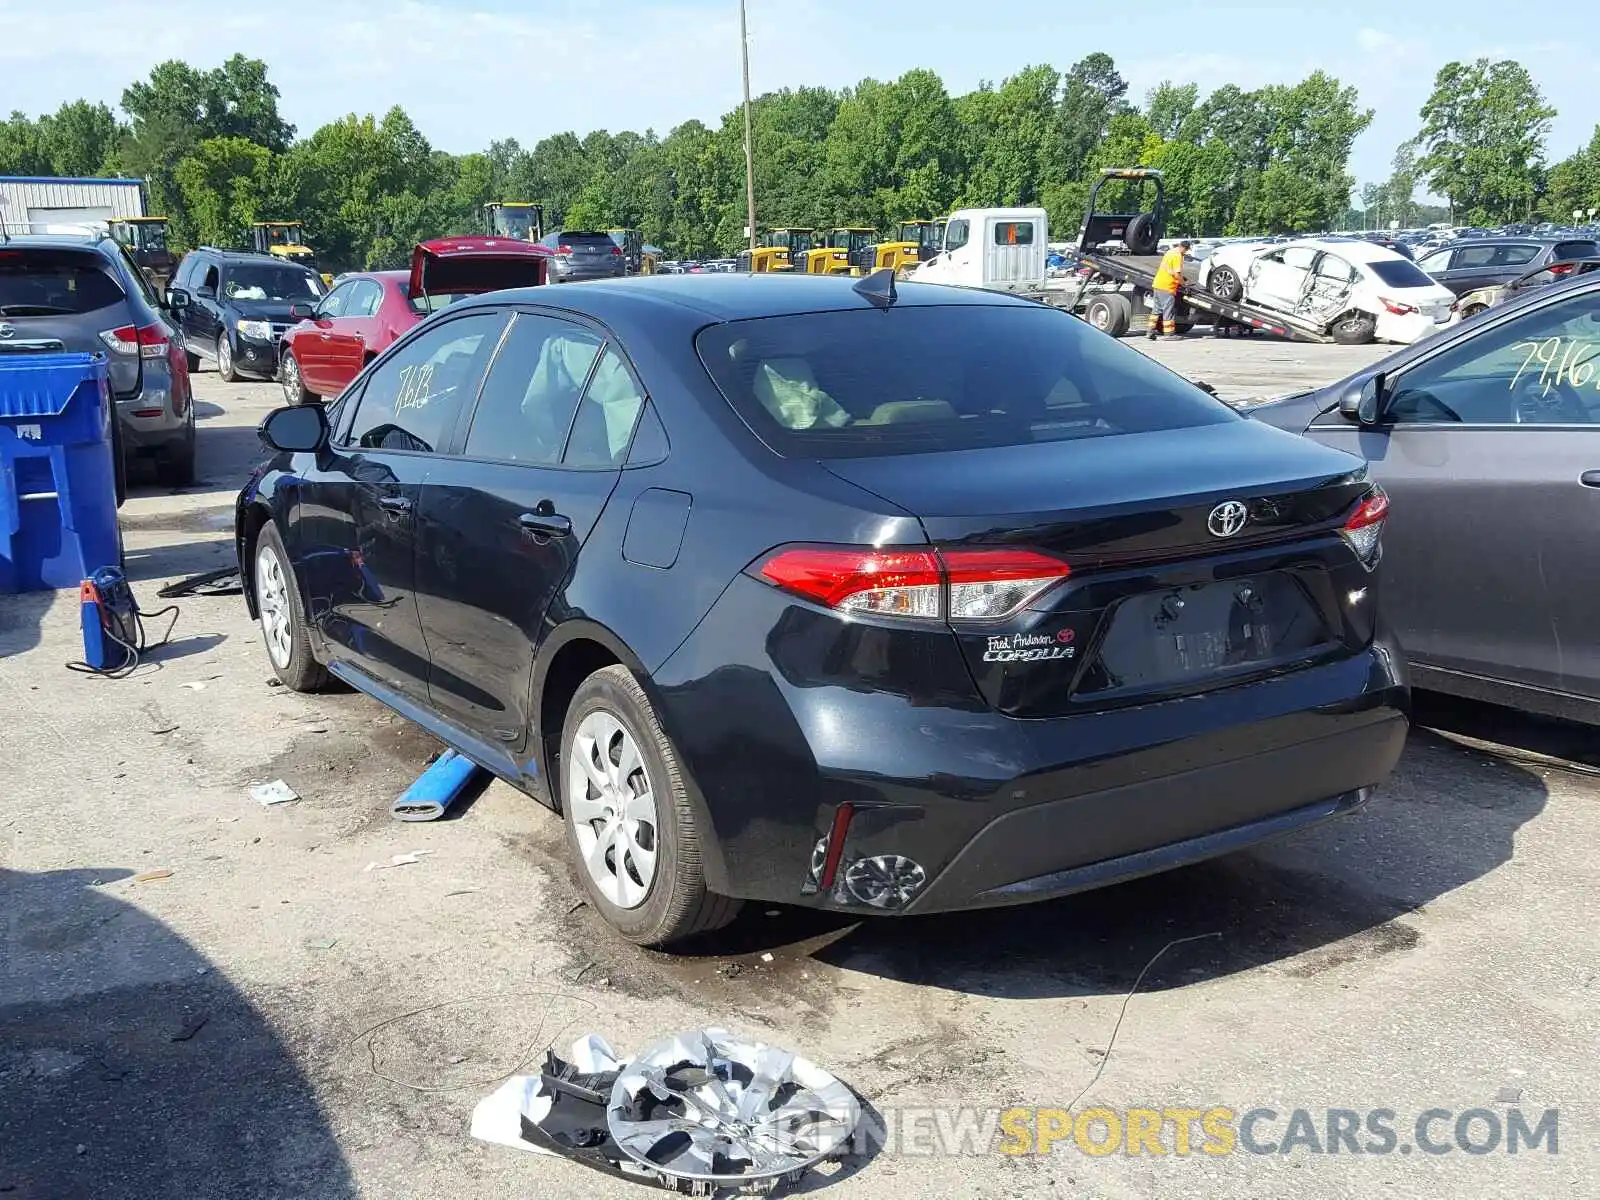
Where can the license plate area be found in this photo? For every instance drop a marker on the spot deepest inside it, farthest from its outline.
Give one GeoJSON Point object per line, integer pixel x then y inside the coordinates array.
{"type": "Point", "coordinates": [1186, 635]}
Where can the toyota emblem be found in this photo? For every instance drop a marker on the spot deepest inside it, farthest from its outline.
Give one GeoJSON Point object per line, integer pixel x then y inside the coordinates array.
{"type": "Point", "coordinates": [1227, 519]}
{"type": "Point", "coordinates": [6, 330]}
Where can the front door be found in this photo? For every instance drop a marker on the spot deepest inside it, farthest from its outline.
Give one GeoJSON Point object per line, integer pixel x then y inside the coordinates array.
{"type": "Point", "coordinates": [1491, 454]}
{"type": "Point", "coordinates": [346, 345]}
{"type": "Point", "coordinates": [502, 526]}
{"type": "Point", "coordinates": [201, 320]}
{"type": "Point", "coordinates": [313, 347]}
{"type": "Point", "coordinates": [356, 550]}
{"type": "Point", "coordinates": [1279, 279]}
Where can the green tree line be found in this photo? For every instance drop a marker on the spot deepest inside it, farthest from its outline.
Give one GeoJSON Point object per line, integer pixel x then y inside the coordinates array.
{"type": "Point", "coordinates": [218, 155]}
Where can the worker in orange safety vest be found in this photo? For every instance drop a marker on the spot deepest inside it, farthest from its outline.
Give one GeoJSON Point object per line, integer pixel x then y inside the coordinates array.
{"type": "Point", "coordinates": [1164, 294]}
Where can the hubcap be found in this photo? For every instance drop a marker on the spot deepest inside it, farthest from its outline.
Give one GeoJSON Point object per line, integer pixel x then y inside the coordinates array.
{"type": "Point", "coordinates": [1100, 318]}
{"type": "Point", "coordinates": [613, 809]}
{"type": "Point", "coordinates": [272, 598]}
{"type": "Point", "coordinates": [291, 378]}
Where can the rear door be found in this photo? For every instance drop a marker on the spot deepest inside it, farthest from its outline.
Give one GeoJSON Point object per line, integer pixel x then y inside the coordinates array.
{"type": "Point", "coordinates": [1331, 284]}
{"type": "Point", "coordinates": [1491, 454]}
{"type": "Point", "coordinates": [54, 299]}
{"type": "Point", "coordinates": [354, 535]}
{"type": "Point", "coordinates": [503, 523]}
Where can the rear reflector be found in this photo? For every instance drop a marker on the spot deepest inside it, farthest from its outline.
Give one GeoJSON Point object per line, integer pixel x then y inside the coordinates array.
{"type": "Point", "coordinates": [836, 838]}
{"type": "Point", "coordinates": [958, 584]}
{"type": "Point", "coordinates": [1364, 529]}
{"type": "Point", "coordinates": [147, 341]}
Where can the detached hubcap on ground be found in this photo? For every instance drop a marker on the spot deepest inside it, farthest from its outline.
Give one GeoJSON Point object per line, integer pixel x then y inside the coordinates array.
{"type": "Point", "coordinates": [613, 810]}
{"type": "Point", "coordinates": [272, 597]}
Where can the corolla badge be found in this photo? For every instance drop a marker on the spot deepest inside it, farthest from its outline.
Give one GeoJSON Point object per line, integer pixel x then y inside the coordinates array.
{"type": "Point", "coordinates": [1227, 519]}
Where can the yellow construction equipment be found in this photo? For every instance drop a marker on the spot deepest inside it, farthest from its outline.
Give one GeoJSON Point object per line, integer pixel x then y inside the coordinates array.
{"type": "Point", "coordinates": [839, 251]}
{"type": "Point", "coordinates": [913, 242]}
{"type": "Point", "coordinates": [778, 250]}
{"type": "Point", "coordinates": [146, 241]}
{"type": "Point", "coordinates": [520, 220]}
{"type": "Point", "coordinates": [282, 239]}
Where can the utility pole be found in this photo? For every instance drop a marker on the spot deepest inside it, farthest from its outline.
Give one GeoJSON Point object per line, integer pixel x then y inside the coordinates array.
{"type": "Point", "coordinates": [749, 146]}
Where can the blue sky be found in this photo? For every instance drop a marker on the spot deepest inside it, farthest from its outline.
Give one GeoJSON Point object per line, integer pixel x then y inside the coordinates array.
{"type": "Point", "coordinates": [469, 71]}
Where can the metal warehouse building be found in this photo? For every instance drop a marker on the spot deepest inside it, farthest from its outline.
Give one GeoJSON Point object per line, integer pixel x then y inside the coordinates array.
{"type": "Point", "coordinates": [26, 199]}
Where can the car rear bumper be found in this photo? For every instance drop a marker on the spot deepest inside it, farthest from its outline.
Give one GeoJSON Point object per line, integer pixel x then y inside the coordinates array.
{"type": "Point", "coordinates": [987, 809]}
{"type": "Point", "coordinates": [148, 421]}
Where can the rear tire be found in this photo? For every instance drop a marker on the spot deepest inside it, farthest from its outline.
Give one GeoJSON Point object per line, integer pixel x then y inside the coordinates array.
{"type": "Point", "coordinates": [192, 361]}
{"type": "Point", "coordinates": [1223, 283]}
{"type": "Point", "coordinates": [175, 468]}
{"type": "Point", "coordinates": [1355, 329]}
{"type": "Point", "coordinates": [617, 769]}
{"type": "Point", "coordinates": [1111, 315]}
{"type": "Point", "coordinates": [282, 617]}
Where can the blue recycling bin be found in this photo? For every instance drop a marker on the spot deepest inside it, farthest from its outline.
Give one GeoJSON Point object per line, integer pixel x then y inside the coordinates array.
{"type": "Point", "coordinates": [58, 481]}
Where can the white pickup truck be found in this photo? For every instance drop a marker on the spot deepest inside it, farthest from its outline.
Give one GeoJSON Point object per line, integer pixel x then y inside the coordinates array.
{"type": "Point", "coordinates": [1001, 249]}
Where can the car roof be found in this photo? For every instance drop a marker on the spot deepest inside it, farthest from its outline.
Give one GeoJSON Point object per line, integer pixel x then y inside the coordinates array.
{"type": "Point", "coordinates": [57, 241]}
{"type": "Point", "coordinates": [739, 296]}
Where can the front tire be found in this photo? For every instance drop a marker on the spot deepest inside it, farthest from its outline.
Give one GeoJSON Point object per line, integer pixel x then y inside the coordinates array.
{"type": "Point", "coordinates": [294, 388]}
{"type": "Point", "coordinates": [631, 831]}
{"type": "Point", "coordinates": [1355, 329]}
{"type": "Point", "coordinates": [225, 360]}
{"type": "Point", "coordinates": [282, 617]}
{"type": "Point", "coordinates": [1224, 284]}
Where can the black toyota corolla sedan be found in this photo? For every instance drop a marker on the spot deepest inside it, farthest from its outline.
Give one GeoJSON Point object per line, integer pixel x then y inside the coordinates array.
{"type": "Point", "coordinates": [806, 590]}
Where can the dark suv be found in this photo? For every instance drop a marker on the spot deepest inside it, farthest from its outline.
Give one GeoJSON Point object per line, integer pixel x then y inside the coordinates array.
{"type": "Point", "coordinates": [1489, 261]}
{"type": "Point", "coordinates": [233, 308]}
{"type": "Point", "coordinates": [81, 292]}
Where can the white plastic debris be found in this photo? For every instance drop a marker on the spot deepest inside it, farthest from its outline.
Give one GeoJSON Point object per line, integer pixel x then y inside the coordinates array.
{"type": "Point", "coordinates": [276, 792]}
{"type": "Point", "coordinates": [399, 860]}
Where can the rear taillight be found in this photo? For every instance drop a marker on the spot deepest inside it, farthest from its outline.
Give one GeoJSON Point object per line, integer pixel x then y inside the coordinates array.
{"type": "Point", "coordinates": [1561, 269]}
{"type": "Point", "coordinates": [616, 251]}
{"type": "Point", "coordinates": [147, 341]}
{"type": "Point", "coordinates": [1364, 529]}
{"type": "Point", "coordinates": [564, 249]}
{"type": "Point", "coordinates": [926, 584]}
{"type": "Point", "coordinates": [1396, 307]}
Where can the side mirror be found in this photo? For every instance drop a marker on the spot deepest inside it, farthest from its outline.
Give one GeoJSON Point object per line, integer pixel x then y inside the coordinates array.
{"type": "Point", "coordinates": [177, 299]}
{"type": "Point", "coordinates": [1362, 404]}
{"type": "Point", "coordinates": [301, 312]}
{"type": "Point", "coordinates": [206, 293]}
{"type": "Point", "coordinates": [298, 429]}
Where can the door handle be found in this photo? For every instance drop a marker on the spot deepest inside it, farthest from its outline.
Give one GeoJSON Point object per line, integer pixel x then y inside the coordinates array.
{"type": "Point", "coordinates": [546, 524]}
{"type": "Point", "coordinates": [398, 505]}
{"type": "Point", "coordinates": [1590, 479]}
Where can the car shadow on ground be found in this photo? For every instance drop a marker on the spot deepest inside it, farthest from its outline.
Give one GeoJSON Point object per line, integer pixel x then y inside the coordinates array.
{"type": "Point", "coordinates": [226, 454]}
{"type": "Point", "coordinates": [20, 615]}
{"type": "Point", "coordinates": [1332, 895]}
{"type": "Point", "coordinates": [130, 1067]}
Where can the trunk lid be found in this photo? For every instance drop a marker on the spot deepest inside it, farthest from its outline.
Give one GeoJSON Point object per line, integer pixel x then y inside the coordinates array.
{"type": "Point", "coordinates": [468, 266]}
{"type": "Point", "coordinates": [1200, 557]}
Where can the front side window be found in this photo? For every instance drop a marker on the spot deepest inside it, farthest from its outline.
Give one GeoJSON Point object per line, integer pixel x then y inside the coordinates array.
{"type": "Point", "coordinates": [1473, 257]}
{"type": "Point", "coordinates": [956, 234]}
{"type": "Point", "coordinates": [1541, 368]}
{"type": "Point", "coordinates": [940, 377]}
{"type": "Point", "coordinates": [335, 302]}
{"type": "Point", "coordinates": [1435, 262]}
{"type": "Point", "coordinates": [412, 399]}
{"type": "Point", "coordinates": [525, 411]}
{"type": "Point", "coordinates": [1299, 257]}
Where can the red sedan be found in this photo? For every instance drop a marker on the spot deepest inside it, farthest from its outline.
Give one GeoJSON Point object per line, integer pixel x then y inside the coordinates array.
{"type": "Point", "coordinates": [368, 311]}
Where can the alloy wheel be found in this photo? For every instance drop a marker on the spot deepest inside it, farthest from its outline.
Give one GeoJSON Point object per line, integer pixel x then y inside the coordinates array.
{"type": "Point", "coordinates": [272, 599]}
{"type": "Point", "coordinates": [613, 809]}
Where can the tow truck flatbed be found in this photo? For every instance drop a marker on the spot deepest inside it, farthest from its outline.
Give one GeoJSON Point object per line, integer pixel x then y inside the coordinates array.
{"type": "Point", "coordinates": [1138, 271]}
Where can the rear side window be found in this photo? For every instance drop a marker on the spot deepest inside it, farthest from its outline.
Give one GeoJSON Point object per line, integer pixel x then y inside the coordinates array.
{"type": "Point", "coordinates": [945, 377]}
{"type": "Point", "coordinates": [1514, 256]}
{"type": "Point", "coordinates": [1399, 272]}
{"type": "Point", "coordinates": [532, 392]}
{"type": "Point", "coordinates": [53, 283]}
{"type": "Point", "coordinates": [1013, 233]}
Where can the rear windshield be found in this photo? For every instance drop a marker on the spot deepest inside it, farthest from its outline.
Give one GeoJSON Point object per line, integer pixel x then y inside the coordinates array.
{"type": "Point", "coordinates": [1399, 272]}
{"type": "Point", "coordinates": [51, 283]}
{"type": "Point", "coordinates": [945, 377]}
{"type": "Point", "coordinates": [604, 241]}
{"type": "Point", "coordinates": [1565, 250]}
